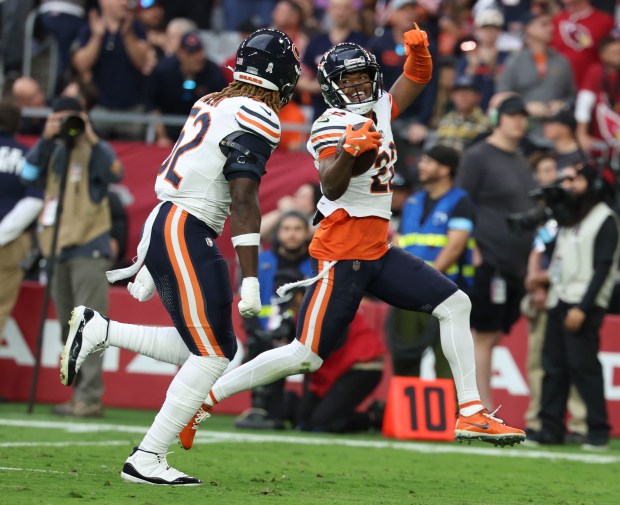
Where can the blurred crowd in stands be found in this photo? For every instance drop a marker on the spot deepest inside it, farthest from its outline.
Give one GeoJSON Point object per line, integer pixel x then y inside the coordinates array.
{"type": "Point", "coordinates": [556, 63]}
{"type": "Point", "coordinates": [159, 56]}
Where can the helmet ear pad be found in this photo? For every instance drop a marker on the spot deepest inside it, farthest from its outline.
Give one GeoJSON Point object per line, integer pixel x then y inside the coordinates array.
{"type": "Point", "coordinates": [493, 115]}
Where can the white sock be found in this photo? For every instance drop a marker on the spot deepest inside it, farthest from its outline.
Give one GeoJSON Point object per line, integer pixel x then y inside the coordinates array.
{"type": "Point", "coordinates": [160, 343]}
{"type": "Point", "coordinates": [266, 368]}
{"type": "Point", "coordinates": [185, 395]}
{"type": "Point", "coordinates": [457, 344]}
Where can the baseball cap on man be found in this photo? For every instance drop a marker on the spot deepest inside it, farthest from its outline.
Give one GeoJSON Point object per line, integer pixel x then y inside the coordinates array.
{"type": "Point", "coordinates": [66, 103]}
{"type": "Point", "coordinates": [565, 116]}
{"type": "Point", "coordinates": [465, 82]}
{"type": "Point", "coordinates": [444, 155]}
{"type": "Point", "coordinates": [489, 17]}
{"type": "Point", "coordinates": [191, 42]}
{"type": "Point", "coordinates": [514, 104]}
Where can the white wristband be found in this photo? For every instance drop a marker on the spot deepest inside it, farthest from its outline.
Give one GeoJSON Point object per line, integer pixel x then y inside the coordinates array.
{"type": "Point", "coordinates": [246, 239]}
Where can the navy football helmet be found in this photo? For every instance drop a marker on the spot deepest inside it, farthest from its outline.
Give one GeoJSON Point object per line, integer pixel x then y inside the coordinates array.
{"type": "Point", "coordinates": [348, 57]}
{"type": "Point", "coordinates": [269, 59]}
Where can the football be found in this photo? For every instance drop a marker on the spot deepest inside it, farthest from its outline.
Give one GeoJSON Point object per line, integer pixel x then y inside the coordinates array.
{"type": "Point", "coordinates": [364, 161]}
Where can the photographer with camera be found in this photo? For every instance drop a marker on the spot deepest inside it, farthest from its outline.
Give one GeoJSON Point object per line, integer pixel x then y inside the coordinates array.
{"type": "Point", "coordinates": [70, 151]}
{"type": "Point", "coordinates": [581, 279]}
{"type": "Point", "coordinates": [19, 207]}
{"type": "Point", "coordinates": [533, 306]}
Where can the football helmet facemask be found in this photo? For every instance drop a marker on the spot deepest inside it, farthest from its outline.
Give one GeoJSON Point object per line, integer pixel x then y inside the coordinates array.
{"type": "Point", "coordinates": [269, 59]}
{"type": "Point", "coordinates": [343, 58]}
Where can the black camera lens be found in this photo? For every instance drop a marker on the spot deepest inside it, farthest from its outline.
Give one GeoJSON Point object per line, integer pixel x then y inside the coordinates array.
{"type": "Point", "coordinates": [72, 126]}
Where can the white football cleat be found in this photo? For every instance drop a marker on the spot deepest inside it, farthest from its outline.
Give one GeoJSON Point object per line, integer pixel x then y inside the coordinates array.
{"type": "Point", "coordinates": [88, 332]}
{"type": "Point", "coordinates": [144, 467]}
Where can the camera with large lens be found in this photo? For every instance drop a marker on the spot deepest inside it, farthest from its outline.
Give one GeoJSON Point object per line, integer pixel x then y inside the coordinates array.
{"type": "Point", "coordinates": [72, 126]}
{"type": "Point", "coordinates": [550, 204]}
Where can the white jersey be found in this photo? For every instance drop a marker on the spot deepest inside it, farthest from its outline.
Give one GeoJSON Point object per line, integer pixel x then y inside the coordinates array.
{"type": "Point", "coordinates": [369, 194]}
{"type": "Point", "coordinates": [192, 176]}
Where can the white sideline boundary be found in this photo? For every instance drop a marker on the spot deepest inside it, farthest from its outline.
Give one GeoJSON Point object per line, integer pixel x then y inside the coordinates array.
{"type": "Point", "coordinates": [205, 437]}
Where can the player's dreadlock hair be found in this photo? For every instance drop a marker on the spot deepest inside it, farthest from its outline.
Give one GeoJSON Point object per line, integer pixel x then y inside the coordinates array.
{"type": "Point", "coordinates": [238, 88]}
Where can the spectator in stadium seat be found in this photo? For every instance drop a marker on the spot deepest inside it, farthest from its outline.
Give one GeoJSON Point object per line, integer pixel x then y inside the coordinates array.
{"type": "Point", "coordinates": [63, 20]}
{"type": "Point", "coordinates": [560, 130]}
{"type": "Point", "coordinates": [542, 76]}
{"type": "Point", "coordinates": [482, 60]}
{"type": "Point", "coordinates": [178, 81]}
{"type": "Point", "coordinates": [577, 34]}
{"type": "Point", "coordinates": [412, 124]}
{"type": "Point", "coordinates": [304, 200]}
{"type": "Point", "coordinates": [19, 208]}
{"type": "Point", "coordinates": [150, 14]}
{"type": "Point", "coordinates": [598, 101]}
{"type": "Point", "coordinates": [27, 92]}
{"type": "Point", "coordinates": [340, 15]}
{"type": "Point", "coordinates": [14, 15]}
{"type": "Point", "coordinates": [460, 127]}
{"type": "Point", "coordinates": [112, 52]}
{"type": "Point", "coordinates": [84, 250]}
{"type": "Point", "coordinates": [288, 17]}
{"type": "Point", "coordinates": [175, 29]}
{"type": "Point", "coordinates": [498, 179]}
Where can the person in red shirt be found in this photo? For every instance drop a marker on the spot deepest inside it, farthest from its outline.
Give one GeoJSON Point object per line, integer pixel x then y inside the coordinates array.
{"type": "Point", "coordinates": [598, 102]}
{"type": "Point", "coordinates": [344, 381]}
{"type": "Point", "coordinates": [577, 33]}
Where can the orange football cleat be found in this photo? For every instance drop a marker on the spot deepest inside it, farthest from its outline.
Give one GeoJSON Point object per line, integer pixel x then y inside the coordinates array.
{"type": "Point", "coordinates": [186, 437]}
{"type": "Point", "coordinates": [488, 428]}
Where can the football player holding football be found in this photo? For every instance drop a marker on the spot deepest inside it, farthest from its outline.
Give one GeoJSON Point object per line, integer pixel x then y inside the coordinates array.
{"type": "Point", "coordinates": [213, 171]}
{"type": "Point", "coordinates": [349, 249]}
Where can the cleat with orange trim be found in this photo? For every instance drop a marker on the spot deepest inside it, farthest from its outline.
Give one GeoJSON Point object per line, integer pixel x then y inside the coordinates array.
{"type": "Point", "coordinates": [486, 427]}
{"type": "Point", "coordinates": [186, 437]}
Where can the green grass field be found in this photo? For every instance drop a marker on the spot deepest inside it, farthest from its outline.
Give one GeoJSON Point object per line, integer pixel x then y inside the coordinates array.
{"type": "Point", "coordinates": [50, 460]}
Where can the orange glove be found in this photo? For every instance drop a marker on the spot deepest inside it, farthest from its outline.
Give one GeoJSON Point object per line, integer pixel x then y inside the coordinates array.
{"type": "Point", "coordinates": [419, 64]}
{"type": "Point", "coordinates": [359, 141]}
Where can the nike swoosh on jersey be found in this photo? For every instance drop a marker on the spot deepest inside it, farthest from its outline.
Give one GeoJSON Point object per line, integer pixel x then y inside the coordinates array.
{"type": "Point", "coordinates": [267, 111]}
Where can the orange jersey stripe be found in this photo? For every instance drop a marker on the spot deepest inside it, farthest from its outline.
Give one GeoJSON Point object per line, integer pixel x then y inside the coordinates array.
{"type": "Point", "coordinates": [200, 304]}
{"type": "Point", "coordinates": [328, 151]}
{"type": "Point", "coordinates": [269, 132]}
{"type": "Point", "coordinates": [314, 140]}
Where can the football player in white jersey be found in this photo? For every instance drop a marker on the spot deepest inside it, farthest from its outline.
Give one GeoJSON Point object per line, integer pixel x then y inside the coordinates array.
{"type": "Point", "coordinates": [349, 249]}
{"type": "Point", "coordinates": [213, 171]}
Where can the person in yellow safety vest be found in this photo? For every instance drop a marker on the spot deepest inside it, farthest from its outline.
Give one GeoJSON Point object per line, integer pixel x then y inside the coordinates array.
{"type": "Point", "coordinates": [436, 225]}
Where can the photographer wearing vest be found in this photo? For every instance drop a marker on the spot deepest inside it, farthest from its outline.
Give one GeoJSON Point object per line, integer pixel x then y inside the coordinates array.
{"type": "Point", "coordinates": [83, 252]}
{"type": "Point", "coordinates": [581, 279]}
{"type": "Point", "coordinates": [436, 225]}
